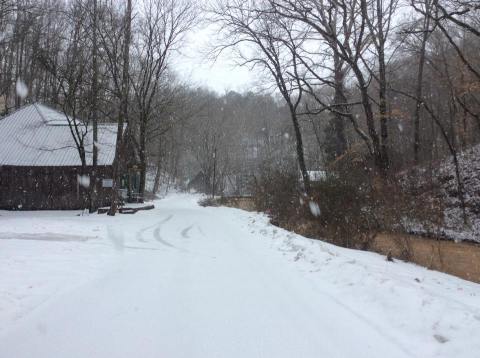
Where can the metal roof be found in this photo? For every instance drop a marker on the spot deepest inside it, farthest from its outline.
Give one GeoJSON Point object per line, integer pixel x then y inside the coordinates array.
{"type": "Point", "coordinates": [37, 135]}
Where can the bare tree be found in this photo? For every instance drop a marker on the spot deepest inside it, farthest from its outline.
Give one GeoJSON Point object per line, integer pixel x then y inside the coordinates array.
{"type": "Point", "coordinates": [424, 34]}
{"type": "Point", "coordinates": [69, 74]}
{"type": "Point", "coordinates": [93, 110]}
{"type": "Point", "coordinates": [271, 51]}
{"type": "Point", "coordinates": [348, 37]}
{"type": "Point", "coordinates": [124, 106]}
{"type": "Point", "coordinates": [161, 31]}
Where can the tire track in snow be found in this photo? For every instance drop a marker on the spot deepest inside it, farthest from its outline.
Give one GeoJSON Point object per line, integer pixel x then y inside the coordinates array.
{"type": "Point", "coordinates": [119, 241]}
{"type": "Point", "coordinates": [160, 239]}
{"type": "Point", "coordinates": [140, 233]}
{"type": "Point", "coordinates": [156, 232]}
{"type": "Point", "coordinates": [168, 218]}
{"type": "Point", "coordinates": [185, 232]}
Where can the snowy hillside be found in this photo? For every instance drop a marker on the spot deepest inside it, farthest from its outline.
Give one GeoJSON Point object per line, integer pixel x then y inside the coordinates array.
{"type": "Point", "coordinates": [187, 281]}
{"type": "Point", "coordinates": [470, 172]}
{"type": "Point", "coordinates": [445, 179]}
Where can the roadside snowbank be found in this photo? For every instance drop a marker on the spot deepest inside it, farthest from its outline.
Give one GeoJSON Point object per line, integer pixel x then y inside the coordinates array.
{"type": "Point", "coordinates": [427, 313]}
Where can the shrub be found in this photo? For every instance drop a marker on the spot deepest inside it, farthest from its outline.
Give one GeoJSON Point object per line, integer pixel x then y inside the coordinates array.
{"type": "Point", "coordinates": [276, 192]}
{"type": "Point", "coordinates": [208, 202]}
{"type": "Point", "coordinates": [347, 207]}
{"type": "Point", "coordinates": [355, 203]}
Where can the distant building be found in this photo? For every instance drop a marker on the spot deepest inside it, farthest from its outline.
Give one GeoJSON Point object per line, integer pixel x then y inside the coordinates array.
{"type": "Point", "coordinates": [40, 167]}
{"type": "Point", "coordinates": [317, 175]}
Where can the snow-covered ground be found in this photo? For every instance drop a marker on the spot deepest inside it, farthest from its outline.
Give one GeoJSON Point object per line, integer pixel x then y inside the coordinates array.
{"type": "Point", "coordinates": [187, 281]}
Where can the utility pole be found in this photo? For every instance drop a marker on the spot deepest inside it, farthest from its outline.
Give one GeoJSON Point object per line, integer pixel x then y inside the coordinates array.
{"type": "Point", "coordinates": [214, 171]}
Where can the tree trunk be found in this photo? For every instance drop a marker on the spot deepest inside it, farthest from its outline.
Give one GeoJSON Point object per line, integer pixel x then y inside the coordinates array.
{"type": "Point", "coordinates": [156, 183]}
{"type": "Point", "coordinates": [419, 89]}
{"type": "Point", "coordinates": [383, 108]}
{"type": "Point", "coordinates": [143, 156]}
{"type": "Point", "coordinates": [300, 151]}
{"type": "Point", "coordinates": [123, 117]}
{"type": "Point", "coordinates": [339, 98]}
{"type": "Point", "coordinates": [158, 171]}
{"type": "Point", "coordinates": [94, 112]}
{"type": "Point", "coordinates": [369, 117]}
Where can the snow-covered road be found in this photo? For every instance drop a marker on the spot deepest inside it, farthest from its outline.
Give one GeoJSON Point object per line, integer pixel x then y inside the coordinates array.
{"type": "Point", "coordinates": [186, 281]}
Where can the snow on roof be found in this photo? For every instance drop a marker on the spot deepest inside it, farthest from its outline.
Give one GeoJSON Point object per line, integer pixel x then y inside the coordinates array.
{"type": "Point", "coordinates": [37, 135]}
{"type": "Point", "coordinates": [317, 175]}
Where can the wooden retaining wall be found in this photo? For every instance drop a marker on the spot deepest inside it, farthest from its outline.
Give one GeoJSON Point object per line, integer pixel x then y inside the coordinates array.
{"type": "Point", "coordinates": [459, 259]}
{"type": "Point", "coordinates": [244, 203]}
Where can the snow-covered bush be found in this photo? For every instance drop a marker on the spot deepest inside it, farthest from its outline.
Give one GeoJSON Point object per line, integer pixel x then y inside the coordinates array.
{"type": "Point", "coordinates": [277, 192]}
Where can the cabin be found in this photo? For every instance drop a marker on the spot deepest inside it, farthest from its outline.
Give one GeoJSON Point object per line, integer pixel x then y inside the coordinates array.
{"type": "Point", "coordinates": [40, 166]}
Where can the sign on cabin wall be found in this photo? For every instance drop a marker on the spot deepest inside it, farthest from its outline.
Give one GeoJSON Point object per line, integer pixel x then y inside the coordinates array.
{"type": "Point", "coordinates": [107, 183]}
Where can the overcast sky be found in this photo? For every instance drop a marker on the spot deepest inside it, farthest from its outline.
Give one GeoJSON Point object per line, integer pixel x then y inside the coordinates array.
{"type": "Point", "coordinates": [194, 66]}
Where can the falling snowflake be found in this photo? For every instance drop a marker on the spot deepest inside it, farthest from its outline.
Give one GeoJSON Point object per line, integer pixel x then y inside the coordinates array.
{"type": "Point", "coordinates": [314, 208]}
{"type": "Point", "coordinates": [84, 180]}
{"type": "Point", "coordinates": [21, 88]}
